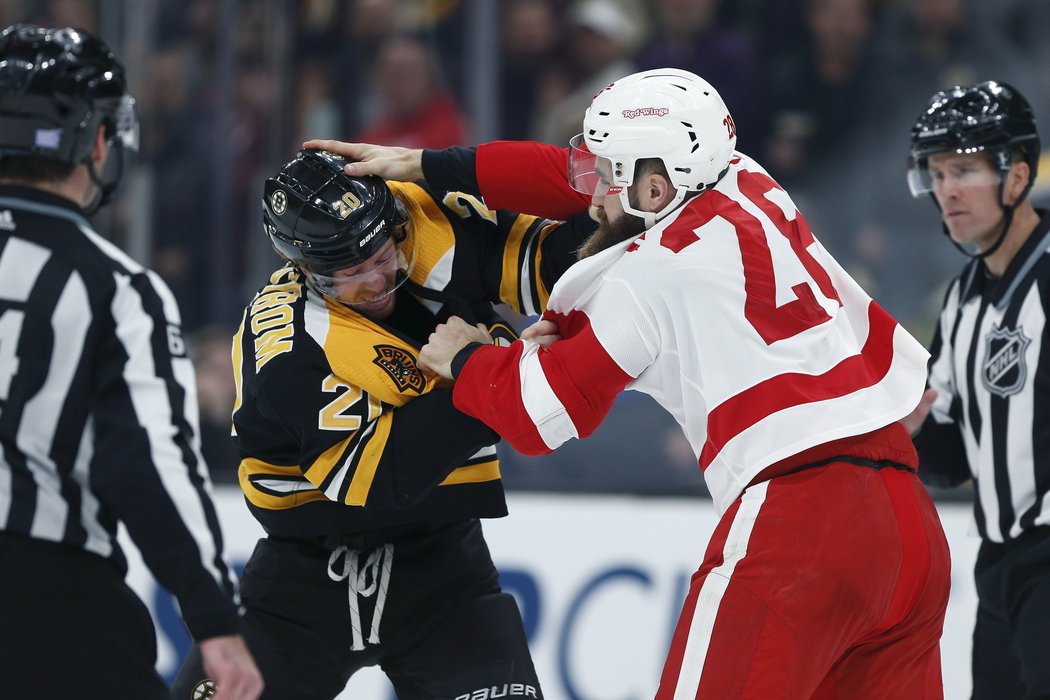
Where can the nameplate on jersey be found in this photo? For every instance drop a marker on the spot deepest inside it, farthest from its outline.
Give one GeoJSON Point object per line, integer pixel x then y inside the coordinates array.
{"type": "Point", "coordinates": [1004, 371]}
{"type": "Point", "coordinates": [401, 367]}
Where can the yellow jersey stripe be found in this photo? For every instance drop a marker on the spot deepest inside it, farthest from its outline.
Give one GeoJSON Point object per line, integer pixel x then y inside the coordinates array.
{"type": "Point", "coordinates": [238, 379]}
{"type": "Point", "coordinates": [510, 281]}
{"type": "Point", "coordinates": [434, 234]}
{"type": "Point", "coordinates": [329, 460]}
{"type": "Point", "coordinates": [542, 293]}
{"type": "Point", "coordinates": [300, 491]}
{"type": "Point", "coordinates": [473, 474]}
{"type": "Point", "coordinates": [368, 463]}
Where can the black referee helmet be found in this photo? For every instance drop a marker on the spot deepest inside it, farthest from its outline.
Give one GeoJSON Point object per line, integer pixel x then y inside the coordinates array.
{"type": "Point", "coordinates": [57, 87]}
{"type": "Point", "coordinates": [991, 117]}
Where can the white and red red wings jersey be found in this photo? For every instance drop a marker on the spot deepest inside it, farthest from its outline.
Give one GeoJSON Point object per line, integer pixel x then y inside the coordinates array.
{"type": "Point", "coordinates": [729, 313]}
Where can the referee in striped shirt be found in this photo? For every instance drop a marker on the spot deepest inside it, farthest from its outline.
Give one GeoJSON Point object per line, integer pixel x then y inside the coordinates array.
{"type": "Point", "coordinates": [98, 412]}
{"type": "Point", "coordinates": [975, 150]}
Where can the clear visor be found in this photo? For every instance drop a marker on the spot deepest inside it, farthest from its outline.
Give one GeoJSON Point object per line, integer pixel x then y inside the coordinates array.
{"type": "Point", "coordinates": [925, 178]}
{"type": "Point", "coordinates": [588, 173]}
{"type": "Point", "coordinates": [127, 120]}
{"type": "Point", "coordinates": [375, 279]}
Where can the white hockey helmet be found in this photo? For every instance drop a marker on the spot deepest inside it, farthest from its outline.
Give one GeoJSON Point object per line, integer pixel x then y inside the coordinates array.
{"type": "Point", "coordinates": [666, 113]}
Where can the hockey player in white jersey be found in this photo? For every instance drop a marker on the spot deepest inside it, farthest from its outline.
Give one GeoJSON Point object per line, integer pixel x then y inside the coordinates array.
{"type": "Point", "coordinates": [704, 287]}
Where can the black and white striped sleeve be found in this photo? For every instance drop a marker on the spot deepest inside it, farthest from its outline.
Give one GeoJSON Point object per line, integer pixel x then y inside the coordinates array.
{"type": "Point", "coordinates": [147, 466]}
{"type": "Point", "coordinates": [942, 454]}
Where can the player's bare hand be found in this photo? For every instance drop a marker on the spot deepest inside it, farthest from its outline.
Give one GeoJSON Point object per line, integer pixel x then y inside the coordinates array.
{"type": "Point", "coordinates": [543, 333]}
{"type": "Point", "coordinates": [228, 662]}
{"type": "Point", "coordinates": [388, 162]}
{"type": "Point", "coordinates": [914, 420]}
{"type": "Point", "coordinates": [447, 340]}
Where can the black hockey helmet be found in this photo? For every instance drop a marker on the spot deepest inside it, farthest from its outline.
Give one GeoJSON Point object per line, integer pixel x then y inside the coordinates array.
{"type": "Point", "coordinates": [57, 86]}
{"type": "Point", "coordinates": [324, 221]}
{"type": "Point", "coordinates": [991, 117]}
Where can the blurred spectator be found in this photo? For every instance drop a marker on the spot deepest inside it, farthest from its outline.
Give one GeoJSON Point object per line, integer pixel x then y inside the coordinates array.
{"type": "Point", "coordinates": [689, 36]}
{"type": "Point", "coordinates": [64, 13]}
{"type": "Point", "coordinates": [317, 40]}
{"type": "Point", "coordinates": [530, 51]}
{"type": "Point", "coordinates": [1024, 24]}
{"type": "Point", "coordinates": [316, 111]}
{"type": "Point", "coordinates": [842, 79]}
{"type": "Point", "coordinates": [771, 25]}
{"type": "Point", "coordinates": [179, 152]}
{"type": "Point", "coordinates": [927, 45]}
{"type": "Point", "coordinates": [367, 25]}
{"type": "Point", "coordinates": [444, 25]}
{"type": "Point", "coordinates": [416, 112]}
{"type": "Point", "coordinates": [930, 45]}
{"type": "Point", "coordinates": [11, 12]}
{"type": "Point", "coordinates": [250, 133]}
{"type": "Point", "coordinates": [316, 16]}
{"type": "Point", "coordinates": [922, 46]}
{"type": "Point", "coordinates": [210, 352]}
{"type": "Point", "coordinates": [600, 39]}
{"type": "Point", "coordinates": [818, 87]}
{"type": "Point", "coordinates": [193, 29]}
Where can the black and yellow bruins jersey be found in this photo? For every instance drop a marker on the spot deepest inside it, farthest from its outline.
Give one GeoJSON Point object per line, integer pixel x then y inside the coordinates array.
{"type": "Point", "coordinates": [339, 431]}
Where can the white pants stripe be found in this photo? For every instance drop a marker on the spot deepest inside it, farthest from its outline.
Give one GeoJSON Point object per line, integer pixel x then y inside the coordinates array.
{"type": "Point", "coordinates": [709, 598]}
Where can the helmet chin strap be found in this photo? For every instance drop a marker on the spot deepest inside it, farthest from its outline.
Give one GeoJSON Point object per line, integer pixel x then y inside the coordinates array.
{"type": "Point", "coordinates": [651, 217]}
{"type": "Point", "coordinates": [1008, 218]}
{"type": "Point", "coordinates": [105, 190]}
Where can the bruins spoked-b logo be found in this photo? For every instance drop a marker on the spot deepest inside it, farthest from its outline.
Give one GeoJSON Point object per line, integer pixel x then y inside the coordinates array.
{"type": "Point", "coordinates": [278, 202]}
{"type": "Point", "coordinates": [1004, 369]}
{"type": "Point", "coordinates": [205, 690]}
{"type": "Point", "coordinates": [401, 367]}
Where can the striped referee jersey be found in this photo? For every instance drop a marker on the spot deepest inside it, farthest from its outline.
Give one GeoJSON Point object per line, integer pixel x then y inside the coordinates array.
{"type": "Point", "coordinates": [989, 364]}
{"type": "Point", "coordinates": [98, 407]}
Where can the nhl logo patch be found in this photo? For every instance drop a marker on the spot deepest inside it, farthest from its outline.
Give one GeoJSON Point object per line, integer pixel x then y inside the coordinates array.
{"type": "Point", "coordinates": [401, 367]}
{"type": "Point", "coordinates": [1004, 370]}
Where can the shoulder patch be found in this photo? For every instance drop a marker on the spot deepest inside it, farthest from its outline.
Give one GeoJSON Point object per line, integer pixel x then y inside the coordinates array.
{"type": "Point", "coordinates": [401, 367]}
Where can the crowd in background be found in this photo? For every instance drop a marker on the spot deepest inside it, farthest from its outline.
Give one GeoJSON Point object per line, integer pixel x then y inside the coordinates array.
{"type": "Point", "coordinates": [823, 93]}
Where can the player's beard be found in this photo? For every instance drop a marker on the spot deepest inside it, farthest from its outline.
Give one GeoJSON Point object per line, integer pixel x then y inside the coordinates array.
{"type": "Point", "coordinates": [609, 233]}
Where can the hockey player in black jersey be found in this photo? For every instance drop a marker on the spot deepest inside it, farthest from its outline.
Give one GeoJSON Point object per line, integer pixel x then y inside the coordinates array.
{"type": "Point", "coordinates": [986, 414]}
{"type": "Point", "coordinates": [367, 480]}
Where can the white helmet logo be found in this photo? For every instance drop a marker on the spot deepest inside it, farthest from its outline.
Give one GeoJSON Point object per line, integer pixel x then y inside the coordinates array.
{"type": "Point", "coordinates": [645, 112]}
{"type": "Point", "coordinates": [278, 202]}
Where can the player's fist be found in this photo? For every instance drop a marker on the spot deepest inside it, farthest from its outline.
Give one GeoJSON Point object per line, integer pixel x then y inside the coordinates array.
{"type": "Point", "coordinates": [446, 341]}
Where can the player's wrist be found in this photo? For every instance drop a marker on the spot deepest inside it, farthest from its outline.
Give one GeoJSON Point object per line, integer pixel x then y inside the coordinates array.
{"type": "Point", "coordinates": [461, 357]}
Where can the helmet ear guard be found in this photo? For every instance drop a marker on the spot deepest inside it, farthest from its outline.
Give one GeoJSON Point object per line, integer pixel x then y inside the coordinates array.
{"type": "Point", "coordinates": [668, 114]}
